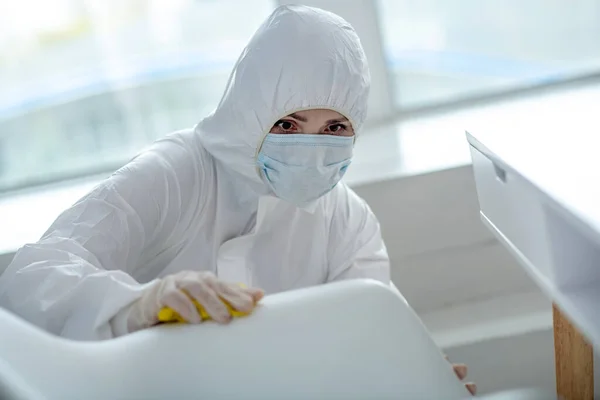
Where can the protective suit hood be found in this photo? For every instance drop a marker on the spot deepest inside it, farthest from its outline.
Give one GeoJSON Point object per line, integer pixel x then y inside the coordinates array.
{"type": "Point", "coordinates": [300, 58]}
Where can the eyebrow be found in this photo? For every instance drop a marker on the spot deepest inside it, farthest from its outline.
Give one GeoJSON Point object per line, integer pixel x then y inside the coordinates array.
{"type": "Point", "coordinates": [329, 122]}
{"type": "Point", "coordinates": [336, 121]}
{"type": "Point", "coordinates": [298, 117]}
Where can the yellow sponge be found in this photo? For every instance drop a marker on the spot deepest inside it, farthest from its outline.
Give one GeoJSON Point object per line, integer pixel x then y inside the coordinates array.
{"type": "Point", "coordinates": [168, 315]}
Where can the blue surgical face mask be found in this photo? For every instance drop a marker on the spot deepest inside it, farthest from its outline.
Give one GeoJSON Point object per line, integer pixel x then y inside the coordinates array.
{"type": "Point", "coordinates": [300, 168]}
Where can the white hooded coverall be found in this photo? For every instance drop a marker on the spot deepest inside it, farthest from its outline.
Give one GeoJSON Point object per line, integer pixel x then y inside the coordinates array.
{"type": "Point", "coordinates": [195, 200]}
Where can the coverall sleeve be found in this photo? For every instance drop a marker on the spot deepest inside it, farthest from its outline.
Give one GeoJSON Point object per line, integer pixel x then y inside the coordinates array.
{"type": "Point", "coordinates": [356, 248]}
{"type": "Point", "coordinates": [78, 275]}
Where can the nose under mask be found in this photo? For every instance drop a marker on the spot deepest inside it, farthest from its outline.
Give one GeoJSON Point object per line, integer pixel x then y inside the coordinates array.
{"type": "Point", "coordinates": [300, 168]}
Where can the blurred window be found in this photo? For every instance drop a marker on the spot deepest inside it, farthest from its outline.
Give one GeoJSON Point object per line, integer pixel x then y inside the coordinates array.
{"type": "Point", "coordinates": [84, 85]}
{"type": "Point", "coordinates": [444, 50]}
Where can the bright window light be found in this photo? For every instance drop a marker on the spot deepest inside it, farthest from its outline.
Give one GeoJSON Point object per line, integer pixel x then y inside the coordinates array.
{"type": "Point", "coordinates": [443, 50]}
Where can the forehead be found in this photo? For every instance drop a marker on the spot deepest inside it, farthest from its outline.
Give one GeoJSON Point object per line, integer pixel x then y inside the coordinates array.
{"type": "Point", "coordinates": [318, 115]}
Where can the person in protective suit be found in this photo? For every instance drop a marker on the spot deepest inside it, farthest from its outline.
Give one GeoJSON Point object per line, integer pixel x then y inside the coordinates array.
{"type": "Point", "coordinates": [251, 195]}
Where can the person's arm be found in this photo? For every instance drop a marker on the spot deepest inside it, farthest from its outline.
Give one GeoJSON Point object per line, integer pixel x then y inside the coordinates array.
{"type": "Point", "coordinates": [356, 249]}
{"type": "Point", "coordinates": [78, 275]}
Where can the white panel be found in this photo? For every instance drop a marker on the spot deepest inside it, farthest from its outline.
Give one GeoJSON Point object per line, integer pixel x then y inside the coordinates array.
{"type": "Point", "coordinates": [501, 316]}
{"type": "Point", "coordinates": [434, 280]}
{"type": "Point", "coordinates": [514, 208]}
{"type": "Point", "coordinates": [522, 361]}
{"type": "Point", "coordinates": [431, 212]}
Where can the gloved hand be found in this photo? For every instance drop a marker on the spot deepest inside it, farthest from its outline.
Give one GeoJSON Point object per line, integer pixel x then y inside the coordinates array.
{"type": "Point", "coordinates": [175, 290]}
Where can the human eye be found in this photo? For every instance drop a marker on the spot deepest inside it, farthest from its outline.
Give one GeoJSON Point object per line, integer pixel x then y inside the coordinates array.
{"type": "Point", "coordinates": [337, 128]}
{"type": "Point", "coordinates": [283, 126]}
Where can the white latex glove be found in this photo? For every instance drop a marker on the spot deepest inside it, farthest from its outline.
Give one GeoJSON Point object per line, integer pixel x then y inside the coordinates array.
{"type": "Point", "coordinates": [202, 286]}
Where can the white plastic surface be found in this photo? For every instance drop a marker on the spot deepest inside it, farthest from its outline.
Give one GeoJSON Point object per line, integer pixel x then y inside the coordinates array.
{"type": "Point", "coordinates": [14, 386]}
{"type": "Point", "coordinates": [514, 209]}
{"type": "Point", "coordinates": [540, 209]}
{"type": "Point", "coordinates": [349, 340]}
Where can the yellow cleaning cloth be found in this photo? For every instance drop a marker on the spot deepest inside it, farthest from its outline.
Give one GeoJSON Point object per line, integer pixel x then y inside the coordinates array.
{"type": "Point", "coordinates": [168, 315]}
